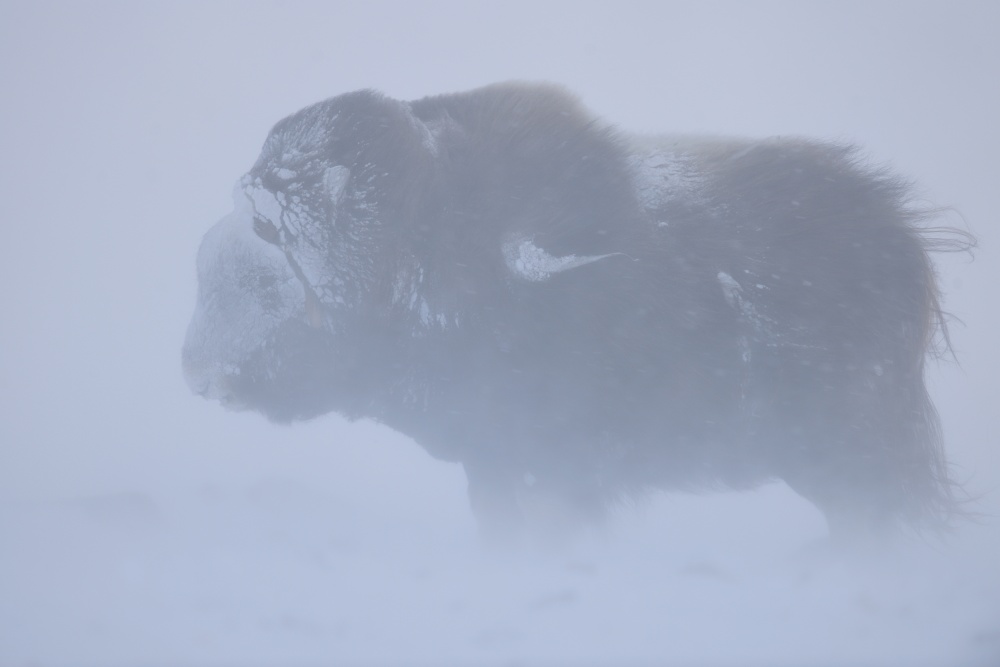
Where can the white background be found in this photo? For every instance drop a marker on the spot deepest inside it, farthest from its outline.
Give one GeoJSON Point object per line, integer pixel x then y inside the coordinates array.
{"type": "Point", "coordinates": [142, 525]}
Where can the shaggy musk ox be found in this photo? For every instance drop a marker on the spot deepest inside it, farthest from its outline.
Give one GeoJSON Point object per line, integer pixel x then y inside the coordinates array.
{"type": "Point", "coordinates": [578, 316]}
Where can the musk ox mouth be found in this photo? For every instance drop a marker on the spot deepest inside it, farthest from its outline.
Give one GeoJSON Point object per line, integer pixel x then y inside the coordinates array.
{"type": "Point", "coordinates": [212, 386]}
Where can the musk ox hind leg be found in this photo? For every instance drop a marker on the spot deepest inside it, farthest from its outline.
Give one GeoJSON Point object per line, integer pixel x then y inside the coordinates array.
{"type": "Point", "coordinates": [869, 458]}
{"type": "Point", "coordinates": [537, 506]}
{"type": "Point", "coordinates": [493, 499]}
{"type": "Point", "coordinates": [855, 433]}
{"type": "Point", "coordinates": [839, 303]}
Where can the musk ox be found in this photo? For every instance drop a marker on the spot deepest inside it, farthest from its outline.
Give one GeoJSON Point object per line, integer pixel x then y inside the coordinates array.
{"type": "Point", "coordinates": [578, 316]}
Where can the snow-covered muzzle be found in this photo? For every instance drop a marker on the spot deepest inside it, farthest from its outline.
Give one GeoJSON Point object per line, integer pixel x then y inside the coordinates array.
{"type": "Point", "coordinates": [282, 280]}
{"type": "Point", "coordinates": [262, 269]}
{"type": "Point", "coordinates": [246, 291]}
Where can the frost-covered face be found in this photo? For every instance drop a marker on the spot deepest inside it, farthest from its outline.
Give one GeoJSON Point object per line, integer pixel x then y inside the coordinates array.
{"type": "Point", "coordinates": [285, 276]}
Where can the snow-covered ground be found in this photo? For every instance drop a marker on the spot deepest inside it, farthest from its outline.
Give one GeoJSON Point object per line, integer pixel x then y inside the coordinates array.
{"type": "Point", "coordinates": [288, 569]}
{"type": "Point", "coordinates": [142, 525]}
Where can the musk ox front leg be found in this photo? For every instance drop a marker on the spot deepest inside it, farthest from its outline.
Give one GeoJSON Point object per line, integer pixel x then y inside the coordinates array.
{"type": "Point", "coordinates": [546, 506]}
{"type": "Point", "coordinates": [493, 496]}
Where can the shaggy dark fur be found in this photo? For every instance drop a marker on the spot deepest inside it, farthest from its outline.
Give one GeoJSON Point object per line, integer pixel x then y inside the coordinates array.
{"type": "Point", "coordinates": [578, 316]}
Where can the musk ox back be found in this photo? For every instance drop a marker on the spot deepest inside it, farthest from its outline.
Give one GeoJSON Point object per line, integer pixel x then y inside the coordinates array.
{"type": "Point", "coordinates": [579, 316]}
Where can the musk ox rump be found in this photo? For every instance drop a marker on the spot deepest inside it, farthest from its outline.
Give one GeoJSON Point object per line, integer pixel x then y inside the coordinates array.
{"type": "Point", "coordinates": [576, 315]}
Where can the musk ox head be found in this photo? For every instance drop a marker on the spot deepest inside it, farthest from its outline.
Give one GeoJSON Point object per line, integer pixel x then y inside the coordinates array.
{"type": "Point", "coordinates": [290, 281]}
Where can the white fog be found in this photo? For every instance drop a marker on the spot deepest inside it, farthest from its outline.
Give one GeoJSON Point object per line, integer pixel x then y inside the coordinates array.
{"type": "Point", "coordinates": [142, 524]}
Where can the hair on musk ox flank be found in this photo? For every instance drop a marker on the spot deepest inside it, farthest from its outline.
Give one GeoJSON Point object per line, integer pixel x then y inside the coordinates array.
{"type": "Point", "coordinates": [579, 316]}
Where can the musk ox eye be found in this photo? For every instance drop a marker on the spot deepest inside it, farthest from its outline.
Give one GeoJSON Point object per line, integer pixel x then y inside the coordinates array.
{"type": "Point", "coordinates": [266, 230]}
